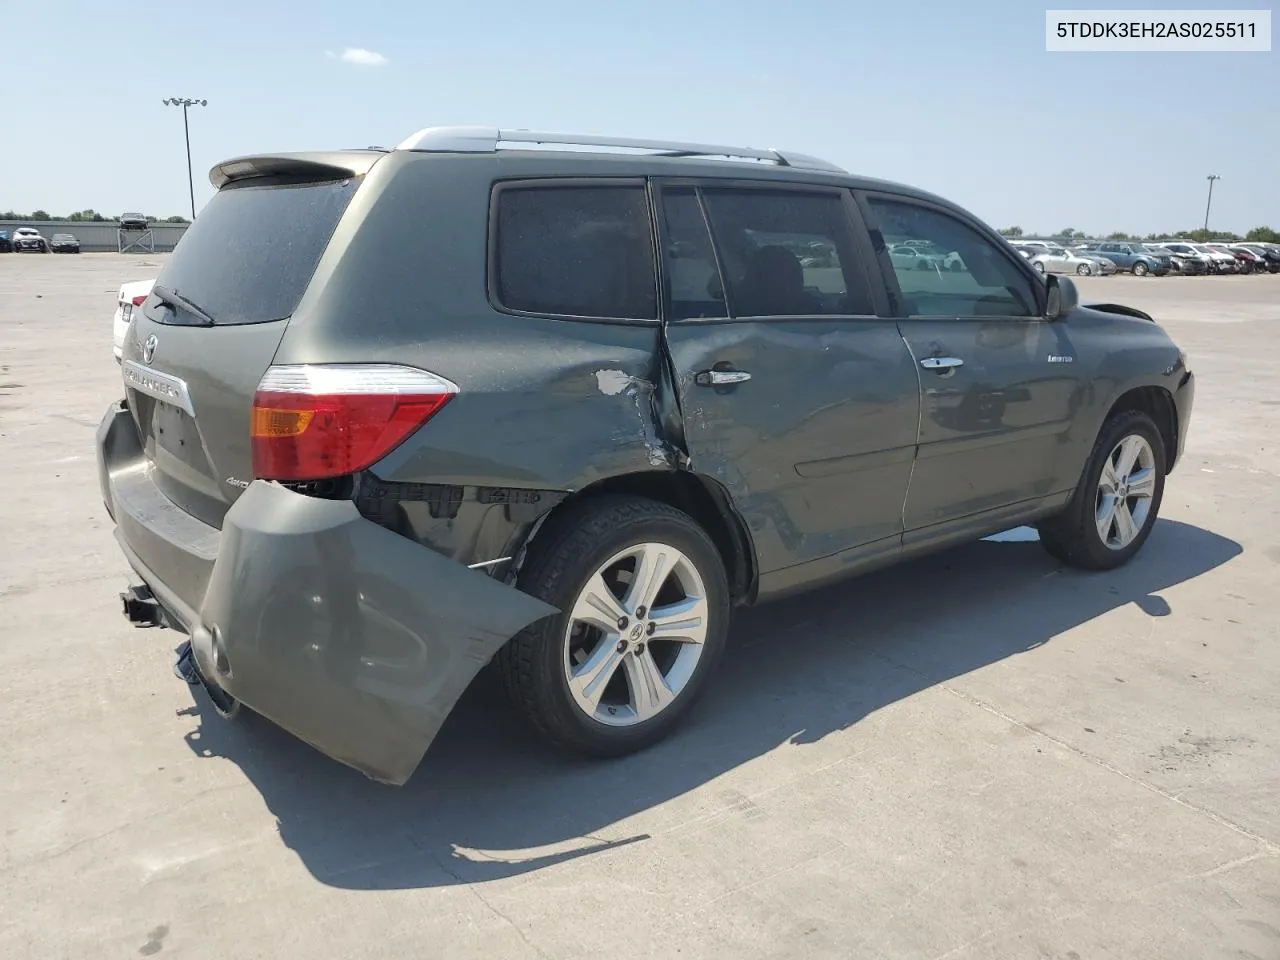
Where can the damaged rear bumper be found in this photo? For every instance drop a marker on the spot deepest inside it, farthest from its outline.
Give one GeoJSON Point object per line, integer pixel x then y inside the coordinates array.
{"type": "Point", "coordinates": [353, 638]}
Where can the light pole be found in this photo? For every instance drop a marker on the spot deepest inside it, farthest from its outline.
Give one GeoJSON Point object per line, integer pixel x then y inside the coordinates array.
{"type": "Point", "coordinates": [1212, 177]}
{"type": "Point", "coordinates": [184, 103]}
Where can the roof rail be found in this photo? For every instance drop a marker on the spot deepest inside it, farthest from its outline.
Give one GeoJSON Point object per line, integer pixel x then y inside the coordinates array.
{"type": "Point", "coordinates": [491, 139]}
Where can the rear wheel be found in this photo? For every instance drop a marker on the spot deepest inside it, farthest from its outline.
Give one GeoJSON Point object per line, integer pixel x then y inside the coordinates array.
{"type": "Point", "coordinates": [1039, 267]}
{"type": "Point", "coordinates": [644, 610]}
{"type": "Point", "coordinates": [1115, 506]}
{"type": "Point", "coordinates": [1084, 270]}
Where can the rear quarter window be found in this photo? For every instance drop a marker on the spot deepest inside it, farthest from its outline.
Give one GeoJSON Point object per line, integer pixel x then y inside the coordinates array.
{"type": "Point", "coordinates": [573, 251]}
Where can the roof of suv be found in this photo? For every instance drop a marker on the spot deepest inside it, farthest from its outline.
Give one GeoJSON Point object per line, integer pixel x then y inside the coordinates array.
{"type": "Point", "coordinates": [585, 153]}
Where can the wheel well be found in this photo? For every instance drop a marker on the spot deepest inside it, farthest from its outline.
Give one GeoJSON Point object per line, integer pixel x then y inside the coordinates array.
{"type": "Point", "coordinates": [702, 499]}
{"type": "Point", "coordinates": [1157, 403]}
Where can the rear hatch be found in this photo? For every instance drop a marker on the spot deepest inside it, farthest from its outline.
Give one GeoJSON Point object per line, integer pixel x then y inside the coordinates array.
{"type": "Point", "coordinates": [217, 313]}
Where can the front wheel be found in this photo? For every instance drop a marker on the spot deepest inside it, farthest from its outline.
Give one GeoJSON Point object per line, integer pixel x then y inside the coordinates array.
{"type": "Point", "coordinates": [1084, 270]}
{"type": "Point", "coordinates": [1140, 269]}
{"type": "Point", "coordinates": [1039, 267]}
{"type": "Point", "coordinates": [644, 611]}
{"type": "Point", "coordinates": [1114, 508]}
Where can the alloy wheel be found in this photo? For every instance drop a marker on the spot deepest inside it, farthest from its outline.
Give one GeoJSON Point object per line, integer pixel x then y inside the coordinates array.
{"type": "Point", "coordinates": [1125, 489]}
{"type": "Point", "coordinates": [635, 634]}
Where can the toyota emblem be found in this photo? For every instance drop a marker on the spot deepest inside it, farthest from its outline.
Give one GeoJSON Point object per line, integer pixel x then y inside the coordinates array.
{"type": "Point", "coordinates": [149, 348]}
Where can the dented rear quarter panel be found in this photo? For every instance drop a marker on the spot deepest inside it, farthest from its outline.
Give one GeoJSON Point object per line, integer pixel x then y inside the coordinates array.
{"type": "Point", "coordinates": [543, 403]}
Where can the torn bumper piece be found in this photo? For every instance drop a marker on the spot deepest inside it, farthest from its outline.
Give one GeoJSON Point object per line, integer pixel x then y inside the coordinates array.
{"type": "Point", "coordinates": [353, 638]}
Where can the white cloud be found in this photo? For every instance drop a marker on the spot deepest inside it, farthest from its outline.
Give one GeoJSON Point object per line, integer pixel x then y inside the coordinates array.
{"type": "Point", "coordinates": [359, 56]}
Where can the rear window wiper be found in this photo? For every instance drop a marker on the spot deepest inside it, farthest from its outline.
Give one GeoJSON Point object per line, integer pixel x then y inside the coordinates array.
{"type": "Point", "coordinates": [173, 298]}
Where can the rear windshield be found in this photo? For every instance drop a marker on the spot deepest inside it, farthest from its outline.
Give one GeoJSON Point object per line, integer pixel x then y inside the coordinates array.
{"type": "Point", "coordinates": [249, 255]}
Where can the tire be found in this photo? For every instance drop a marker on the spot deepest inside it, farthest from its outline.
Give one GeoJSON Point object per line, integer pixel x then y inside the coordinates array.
{"type": "Point", "coordinates": [569, 553]}
{"type": "Point", "coordinates": [922, 265]}
{"type": "Point", "coordinates": [1140, 269]}
{"type": "Point", "coordinates": [1039, 267]}
{"type": "Point", "coordinates": [1074, 536]}
{"type": "Point", "coordinates": [1084, 270]}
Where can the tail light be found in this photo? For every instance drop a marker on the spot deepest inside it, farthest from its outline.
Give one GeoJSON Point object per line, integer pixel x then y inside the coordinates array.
{"type": "Point", "coordinates": [310, 422]}
{"type": "Point", "coordinates": [140, 300]}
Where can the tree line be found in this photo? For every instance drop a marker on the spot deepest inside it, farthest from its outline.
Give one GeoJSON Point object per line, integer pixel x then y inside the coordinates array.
{"type": "Point", "coordinates": [80, 216]}
{"type": "Point", "coordinates": [1256, 235]}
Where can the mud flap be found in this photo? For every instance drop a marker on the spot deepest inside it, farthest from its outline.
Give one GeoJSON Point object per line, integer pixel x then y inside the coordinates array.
{"type": "Point", "coordinates": [353, 638]}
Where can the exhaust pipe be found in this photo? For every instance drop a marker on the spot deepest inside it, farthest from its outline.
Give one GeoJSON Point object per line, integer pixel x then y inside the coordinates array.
{"type": "Point", "coordinates": [141, 606]}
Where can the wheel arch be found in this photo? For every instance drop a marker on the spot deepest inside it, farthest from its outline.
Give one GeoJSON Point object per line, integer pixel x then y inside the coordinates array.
{"type": "Point", "coordinates": [1157, 403]}
{"type": "Point", "coordinates": [701, 497]}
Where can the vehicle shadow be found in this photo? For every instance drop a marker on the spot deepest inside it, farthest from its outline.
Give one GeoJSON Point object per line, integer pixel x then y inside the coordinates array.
{"type": "Point", "coordinates": [490, 802]}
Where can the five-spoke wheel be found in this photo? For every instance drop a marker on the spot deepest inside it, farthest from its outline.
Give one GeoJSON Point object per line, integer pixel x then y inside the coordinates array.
{"type": "Point", "coordinates": [1118, 497]}
{"type": "Point", "coordinates": [644, 609]}
{"type": "Point", "coordinates": [635, 634]}
{"type": "Point", "coordinates": [1124, 493]}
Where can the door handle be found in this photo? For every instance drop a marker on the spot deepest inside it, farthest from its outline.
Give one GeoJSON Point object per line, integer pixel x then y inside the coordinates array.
{"type": "Point", "coordinates": [721, 378]}
{"type": "Point", "coordinates": [941, 363]}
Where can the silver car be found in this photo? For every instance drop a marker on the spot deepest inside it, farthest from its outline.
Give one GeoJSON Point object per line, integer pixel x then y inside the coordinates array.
{"type": "Point", "coordinates": [1106, 265]}
{"type": "Point", "coordinates": [1062, 260]}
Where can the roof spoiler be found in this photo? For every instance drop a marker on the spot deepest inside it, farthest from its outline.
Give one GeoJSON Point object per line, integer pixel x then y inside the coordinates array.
{"type": "Point", "coordinates": [337, 165]}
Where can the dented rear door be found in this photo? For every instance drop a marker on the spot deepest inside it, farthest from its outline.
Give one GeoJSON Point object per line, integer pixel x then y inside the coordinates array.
{"type": "Point", "coordinates": [795, 397]}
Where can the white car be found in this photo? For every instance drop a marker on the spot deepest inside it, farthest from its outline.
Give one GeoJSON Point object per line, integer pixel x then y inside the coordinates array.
{"type": "Point", "coordinates": [1225, 262]}
{"type": "Point", "coordinates": [1190, 264]}
{"type": "Point", "coordinates": [1196, 251]}
{"type": "Point", "coordinates": [910, 257]}
{"type": "Point", "coordinates": [132, 295]}
{"type": "Point", "coordinates": [29, 238]}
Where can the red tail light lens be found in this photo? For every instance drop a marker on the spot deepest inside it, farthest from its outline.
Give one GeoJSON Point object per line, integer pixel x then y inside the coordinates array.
{"type": "Point", "coordinates": [310, 422]}
{"type": "Point", "coordinates": [139, 301]}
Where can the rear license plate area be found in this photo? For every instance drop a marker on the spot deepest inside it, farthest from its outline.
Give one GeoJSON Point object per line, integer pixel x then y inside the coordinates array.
{"type": "Point", "coordinates": [175, 433]}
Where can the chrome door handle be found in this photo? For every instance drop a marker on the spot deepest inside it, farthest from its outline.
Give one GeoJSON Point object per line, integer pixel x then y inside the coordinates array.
{"type": "Point", "coordinates": [941, 363]}
{"type": "Point", "coordinates": [720, 378]}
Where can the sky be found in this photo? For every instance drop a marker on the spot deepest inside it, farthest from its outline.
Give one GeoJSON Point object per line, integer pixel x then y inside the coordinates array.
{"type": "Point", "coordinates": [958, 98]}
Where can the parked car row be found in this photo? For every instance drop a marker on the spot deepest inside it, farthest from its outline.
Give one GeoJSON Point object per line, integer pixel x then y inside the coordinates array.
{"type": "Point", "coordinates": [1154, 259]}
{"type": "Point", "coordinates": [29, 238]}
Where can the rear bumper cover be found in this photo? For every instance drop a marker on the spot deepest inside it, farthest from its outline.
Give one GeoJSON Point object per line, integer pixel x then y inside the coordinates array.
{"type": "Point", "coordinates": [355, 639]}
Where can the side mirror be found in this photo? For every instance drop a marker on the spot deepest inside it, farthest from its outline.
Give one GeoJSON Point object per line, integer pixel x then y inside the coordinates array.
{"type": "Point", "coordinates": [1062, 299]}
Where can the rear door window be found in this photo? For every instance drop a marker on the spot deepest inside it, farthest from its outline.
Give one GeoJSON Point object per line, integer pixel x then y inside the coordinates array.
{"type": "Point", "coordinates": [694, 288]}
{"type": "Point", "coordinates": [249, 256]}
{"type": "Point", "coordinates": [786, 253]}
{"type": "Point", "coordinates": [575, 251]}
